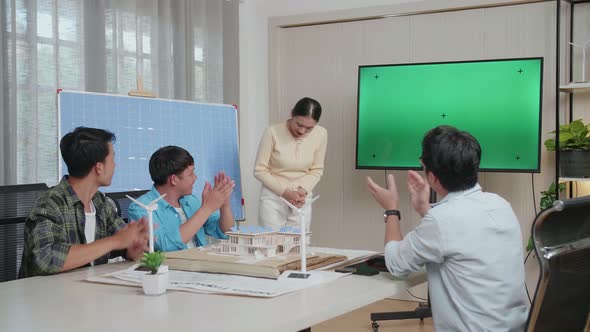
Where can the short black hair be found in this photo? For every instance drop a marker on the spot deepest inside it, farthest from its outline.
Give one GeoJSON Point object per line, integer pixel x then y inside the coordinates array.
{"type": "Point", "coordinates": [83, 148]}
{"type": "Point", "coordinates": [308, 107]}
{"type": "Point", "coordinates": [453, 156]}
{"type": "Point", "coordinates": [169, 160]}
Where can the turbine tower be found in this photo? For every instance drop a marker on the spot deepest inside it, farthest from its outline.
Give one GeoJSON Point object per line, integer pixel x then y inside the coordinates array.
{"type": "Point", "coordinates": [150, 208]}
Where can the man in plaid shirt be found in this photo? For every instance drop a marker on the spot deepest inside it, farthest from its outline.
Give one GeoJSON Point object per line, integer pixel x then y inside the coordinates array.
{"type": "Point", "coordinates": [73, 224]}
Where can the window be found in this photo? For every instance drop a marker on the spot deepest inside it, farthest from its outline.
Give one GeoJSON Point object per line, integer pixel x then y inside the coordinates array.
{"type": "Point", "coordinates": [128, 50]}
{"type": "Point", "coordinates": [48, 55]}
{"type": "Point", "coordinates": [45, 49]}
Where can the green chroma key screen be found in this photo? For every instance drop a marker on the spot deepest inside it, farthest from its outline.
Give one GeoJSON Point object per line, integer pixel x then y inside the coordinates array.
{"type": "Point", "coordinates": [497, 101]}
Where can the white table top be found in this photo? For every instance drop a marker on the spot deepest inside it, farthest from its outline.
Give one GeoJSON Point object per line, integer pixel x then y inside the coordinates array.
{"type": "Point", "coordinates": [66, 302]}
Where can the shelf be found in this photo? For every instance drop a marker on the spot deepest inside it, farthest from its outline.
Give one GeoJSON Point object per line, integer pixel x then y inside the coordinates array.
{"type": "Point", "coordinates": [574, 87]}
{"type": "Point", "coordinates": [561, 180]}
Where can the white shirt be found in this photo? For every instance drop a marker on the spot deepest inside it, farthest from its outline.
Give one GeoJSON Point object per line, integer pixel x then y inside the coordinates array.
{"type": "Point", "coordinates": [90, 225]}
{"type": "Point", "coordinates": [471, 245]}
{"type": "Point", "coordinates": [183, 219]}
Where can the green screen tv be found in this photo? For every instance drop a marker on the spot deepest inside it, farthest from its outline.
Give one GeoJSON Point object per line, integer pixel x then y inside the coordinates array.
{"type": "Point", "coordinates": [497, 101]}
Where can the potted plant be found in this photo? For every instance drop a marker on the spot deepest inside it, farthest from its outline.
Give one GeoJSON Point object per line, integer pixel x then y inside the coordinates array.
{"type": "Point", "coordinates": [574, 149]}
{"type": "Point", "coordinates": [547, 198]}
{"type": "Point", "coordinates": [155, 281]}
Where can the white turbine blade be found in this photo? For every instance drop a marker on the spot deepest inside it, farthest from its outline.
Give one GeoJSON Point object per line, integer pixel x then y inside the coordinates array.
{"type": "Point", "coordinates": [136, 202]}
{"type": "Point", "coordinates": [156, 200]}
{"type": "Point", "coordinates": [289, 204]}
{"type": "Point", "coordinates": [576, 45]}
{"type": "Point", "coordinates": [315, 198]}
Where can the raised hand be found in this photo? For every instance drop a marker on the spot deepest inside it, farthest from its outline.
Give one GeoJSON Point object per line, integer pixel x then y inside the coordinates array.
{"type": "Point", "coordinates": [214, 197]}
{"type": "Point", "coordinates": [388, 197]}
{"type": "Point", "coordinates": [221, 178]}
{"type": "Point", "coordinates": [419, 192]}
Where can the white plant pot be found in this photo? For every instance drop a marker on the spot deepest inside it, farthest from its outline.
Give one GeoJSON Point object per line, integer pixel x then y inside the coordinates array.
{"type": "Point", "coordinates": [155, 284]}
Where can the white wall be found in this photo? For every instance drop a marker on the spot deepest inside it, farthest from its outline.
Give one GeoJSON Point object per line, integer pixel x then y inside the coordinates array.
{"type": "Point", "coordinates": [254, 75]}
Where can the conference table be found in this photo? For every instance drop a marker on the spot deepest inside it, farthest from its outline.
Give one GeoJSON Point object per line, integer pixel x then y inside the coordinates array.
{"type": "Point", "coordinates": [67, 302]}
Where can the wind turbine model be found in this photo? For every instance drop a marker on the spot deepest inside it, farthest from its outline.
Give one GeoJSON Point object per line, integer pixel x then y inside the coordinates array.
{"type": "Point", "coordinates": [303, 247]}
{"type": "Point", "coordinates": [583, 47]}
{"type": "Point", "coordinates": [150, 208]}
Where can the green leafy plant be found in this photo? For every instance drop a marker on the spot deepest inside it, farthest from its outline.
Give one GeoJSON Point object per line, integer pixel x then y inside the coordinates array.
{"type": "Point", "coordinates": [152, 261]}
{"type": "Point", "coordinates": [572, 136]}
{"type": "Point", "coordinates": [547, 198]}
{"type": "Point", "coordinates": [550, 195]}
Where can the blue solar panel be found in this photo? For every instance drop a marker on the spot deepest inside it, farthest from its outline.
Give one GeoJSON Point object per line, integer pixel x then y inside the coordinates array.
{"type": "Point", "coordinates": [142, 125]}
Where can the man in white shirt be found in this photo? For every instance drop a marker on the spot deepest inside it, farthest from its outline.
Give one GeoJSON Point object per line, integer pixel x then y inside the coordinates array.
{"type": "Point", "coordinates": [469, 242]}
{"type": "Point", "coordinates": [73, 224]}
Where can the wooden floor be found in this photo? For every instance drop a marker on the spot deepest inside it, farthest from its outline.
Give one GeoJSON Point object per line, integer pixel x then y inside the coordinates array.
{"type": "Point", "coordinates": [359, 320]}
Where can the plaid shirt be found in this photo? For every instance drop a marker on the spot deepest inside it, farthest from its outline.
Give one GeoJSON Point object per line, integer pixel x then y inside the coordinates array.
{"type": "Point", "coordinates": [56, 222]}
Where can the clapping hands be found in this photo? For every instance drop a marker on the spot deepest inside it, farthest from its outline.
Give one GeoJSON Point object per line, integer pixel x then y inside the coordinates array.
{"type": "Point", "coordinates": [388, 197]}
{"type": "Point", "coordinates": [134, 237]}
{"type": "Point", "coordinates": [219, 195]}
{"type": "Point", "coordinates": [419, 192]}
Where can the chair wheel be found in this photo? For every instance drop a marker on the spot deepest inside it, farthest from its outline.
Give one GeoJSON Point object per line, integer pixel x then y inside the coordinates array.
{"type": "Point", "coordinates": [375, 326]}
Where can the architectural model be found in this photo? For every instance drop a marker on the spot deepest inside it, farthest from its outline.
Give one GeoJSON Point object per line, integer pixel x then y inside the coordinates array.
{"type": "Point", "coordinates": [261, 242]}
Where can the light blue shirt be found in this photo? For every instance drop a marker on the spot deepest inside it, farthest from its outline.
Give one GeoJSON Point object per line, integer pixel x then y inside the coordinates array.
{"type": "Point", "coordinates": [167, 221]}
{"type": "Point", "coordinates": [471, 246]}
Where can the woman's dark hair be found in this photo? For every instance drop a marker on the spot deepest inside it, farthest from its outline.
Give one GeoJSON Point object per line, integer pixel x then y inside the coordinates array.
{"type": "Point", "coordinates": [83, 148]}
{"type": "Point", "coordinates": [167, 161]}
{"type": "Point", "coordinates": [308, 107]}
{"type": "Point", "coordinates": [453, 156]}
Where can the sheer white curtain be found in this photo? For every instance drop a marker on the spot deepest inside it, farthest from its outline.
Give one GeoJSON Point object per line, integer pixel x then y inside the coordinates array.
{"type": "Point", "coordinates": [100, 46]}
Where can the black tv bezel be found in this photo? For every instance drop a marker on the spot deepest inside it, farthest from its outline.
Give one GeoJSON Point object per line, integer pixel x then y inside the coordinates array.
{"type": "Point", "coordinates": [498, 170]}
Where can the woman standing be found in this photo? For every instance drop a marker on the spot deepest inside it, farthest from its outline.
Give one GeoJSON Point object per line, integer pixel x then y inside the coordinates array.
{"type": "Point", "coordinates": [289, 164]}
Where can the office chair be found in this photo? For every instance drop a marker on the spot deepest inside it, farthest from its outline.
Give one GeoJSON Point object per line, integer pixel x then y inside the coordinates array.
{"type": "Point", "coordinates": [16, 201]}
{"type": "Point", "coordinates": [122, 202]}
{"type": "Point", "coordinates": [561, 236]}
{"type": "Point", "coordinates": [423, 310]}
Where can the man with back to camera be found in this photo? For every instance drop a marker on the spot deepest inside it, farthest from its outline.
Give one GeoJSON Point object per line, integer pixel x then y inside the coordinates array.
{"type": "Point", "coordinates": [470, 241]}
{"type": "Point", "coordinates": [73, 224]}
{"type": "Point", "coordinates": [183, 221]}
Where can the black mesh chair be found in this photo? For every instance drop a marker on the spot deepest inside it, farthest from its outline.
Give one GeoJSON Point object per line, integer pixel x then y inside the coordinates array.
{"type": "Point", "coordinates": [561, 236]}
{"type": "Point", "coordinates": [122, 202]}
{"type": "Point", "coordinates": [16, 201]}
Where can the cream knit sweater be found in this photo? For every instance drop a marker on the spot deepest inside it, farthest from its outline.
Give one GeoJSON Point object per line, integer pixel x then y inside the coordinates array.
{"type": "Point", "coordinates": [284, 162]}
